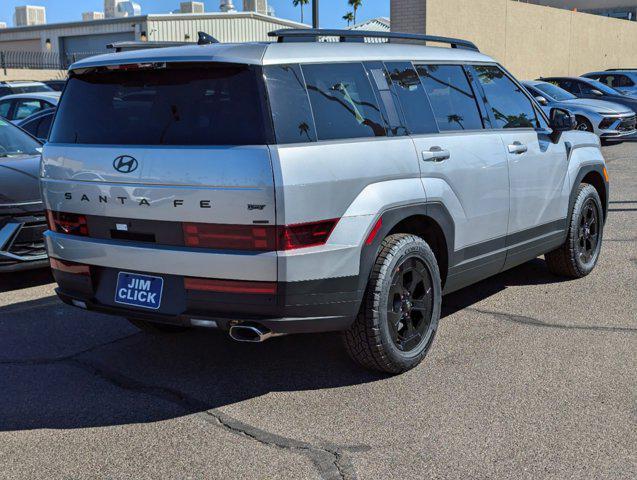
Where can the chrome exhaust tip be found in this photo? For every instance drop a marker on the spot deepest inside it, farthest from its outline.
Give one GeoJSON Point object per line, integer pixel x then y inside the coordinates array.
{"type": "Point", "coordinates": [251, 333]}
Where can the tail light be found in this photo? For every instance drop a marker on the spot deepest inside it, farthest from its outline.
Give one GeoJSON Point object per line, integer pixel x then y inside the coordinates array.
{"type": "Point", "coordinates": [305, 234]}
{"type": "Point", "coordinates": [230, 286]}
{"type": "Point", "coordinates": [234, 237]}
{"type": "Point", "coordinates": [265, 238]}
{"type": "Point", "coordinates": [68, 223]}
{"type": "Point", "coordinates": [70, 267]}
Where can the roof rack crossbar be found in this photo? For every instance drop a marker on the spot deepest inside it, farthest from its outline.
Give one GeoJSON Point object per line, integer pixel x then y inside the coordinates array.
{"type": "Point", "coordinates": [312, 35]}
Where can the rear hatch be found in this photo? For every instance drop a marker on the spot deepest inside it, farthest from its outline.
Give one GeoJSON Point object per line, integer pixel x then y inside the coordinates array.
{"type": "Point", "coordinates": [164, 143]}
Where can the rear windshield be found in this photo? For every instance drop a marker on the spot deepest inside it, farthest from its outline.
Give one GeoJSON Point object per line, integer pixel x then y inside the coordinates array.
{"type": "Point", "coordinates": [216, 104]}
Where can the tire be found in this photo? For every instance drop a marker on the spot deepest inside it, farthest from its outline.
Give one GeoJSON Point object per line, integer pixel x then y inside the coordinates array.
{"type": "Point", "coordinates": [394, 331]}
{"type": "Point", "coordinates": [578, 256]}
{"type": "Point", "coordinates": [156, 328]}
{"type": "Point", "coordinates": [584, 124]}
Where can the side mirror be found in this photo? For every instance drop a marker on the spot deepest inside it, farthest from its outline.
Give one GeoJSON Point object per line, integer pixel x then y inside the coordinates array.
{"type": "Point", "coordinates": [561, 121]}
{"type": "Point", "coordinates": [597, 93]}
{"type": "Point", "coordinates": [542, 101]}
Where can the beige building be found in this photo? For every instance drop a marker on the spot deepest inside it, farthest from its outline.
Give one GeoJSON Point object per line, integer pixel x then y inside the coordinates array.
{"type": "Point", "coordinates": [530, 40]}
{"type": "Point", "coordinates": [191, 7]}
{"type": "Point", "coordinates": [625, 9]}
{"type": "Point", "coordinates": [29, 15]}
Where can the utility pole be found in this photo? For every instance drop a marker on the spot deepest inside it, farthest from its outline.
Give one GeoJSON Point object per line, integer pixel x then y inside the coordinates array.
{"type": "Point", "coordinates": [315, 13]}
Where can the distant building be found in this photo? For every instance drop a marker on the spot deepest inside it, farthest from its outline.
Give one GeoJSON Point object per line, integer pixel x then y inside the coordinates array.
{"type": "Point", "coordinates": [3, 25]}
{"type": "Point", "coordinates": [89, 16]}
{"type": "Point", "coordinates": [227, 6]}
{"type": "Point", "coordinates": [110, 8]}
{"type": "Point", "coordinates": [380, 24]}
{"type": "Point", "coordinates": [29, 15]}
{"type": "Point", "coordinates": [624, 9]}
{"type": "Point", "coordinates": [259, 6]}
{"type": "Point", "coordinates": [191, 7]}
{"type": "Point", "coordinates": [121, 8]}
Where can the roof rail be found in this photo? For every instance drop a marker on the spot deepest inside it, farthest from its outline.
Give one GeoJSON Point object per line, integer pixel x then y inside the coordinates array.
{"type": "Point", "coordinates": [139, 45]}
{"type": "Point", "coordinates": [619, 69]}
{"type": "Point", "coordinates": [312, 35]}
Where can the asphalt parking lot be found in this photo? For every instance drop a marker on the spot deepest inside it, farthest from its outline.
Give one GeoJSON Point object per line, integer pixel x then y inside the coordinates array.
{"type": "Point", "coordinates": [529, 377]}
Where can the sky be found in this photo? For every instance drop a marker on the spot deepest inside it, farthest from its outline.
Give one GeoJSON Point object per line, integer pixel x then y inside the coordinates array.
{"type": "Point", "coordinates": [331, 12]}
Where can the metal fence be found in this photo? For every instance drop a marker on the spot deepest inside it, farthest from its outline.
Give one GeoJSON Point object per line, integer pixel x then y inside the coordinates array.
{"type": "Point", "coordinates": [41, 60]}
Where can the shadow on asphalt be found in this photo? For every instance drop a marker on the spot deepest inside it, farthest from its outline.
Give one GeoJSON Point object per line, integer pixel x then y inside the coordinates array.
{"type": "Point", "coordinates": [67, 368]}
{"type": "Point", "coordinates": [27, 279]}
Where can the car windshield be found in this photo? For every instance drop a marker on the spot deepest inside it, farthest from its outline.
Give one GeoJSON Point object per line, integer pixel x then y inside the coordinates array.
{"type": "Point", "coordinates": [603, 87]}
{"type": "Point", "coordinates": [14, 141]}
{"type": "Point", "coordinates": [554, 92]}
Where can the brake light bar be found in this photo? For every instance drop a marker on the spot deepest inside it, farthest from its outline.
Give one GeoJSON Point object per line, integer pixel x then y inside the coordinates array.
{"type": "Point", "coordinates": [68, 223]}
{"type": "Point", "coordinates": [230, 286]}
{"type": "Point", "coordinates": [264, 238]}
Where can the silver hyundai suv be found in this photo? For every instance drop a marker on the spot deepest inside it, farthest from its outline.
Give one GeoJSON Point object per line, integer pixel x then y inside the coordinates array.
{"type": "Point", "coordinates": [310, 186]}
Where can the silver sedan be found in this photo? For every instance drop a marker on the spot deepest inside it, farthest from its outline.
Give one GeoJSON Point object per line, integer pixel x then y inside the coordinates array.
{"type": "Point", "coordinates": [606, 119]}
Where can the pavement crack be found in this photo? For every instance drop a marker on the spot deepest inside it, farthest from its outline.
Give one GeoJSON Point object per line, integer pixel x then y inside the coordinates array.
{"type": "Point", "coordinates": [332, 462]}
{"type": "Point", "coordinates": [525, 320]}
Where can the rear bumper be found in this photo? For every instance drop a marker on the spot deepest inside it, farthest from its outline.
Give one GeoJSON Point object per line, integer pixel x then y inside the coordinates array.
{"type": "Point", "coordinates": [297, 307]}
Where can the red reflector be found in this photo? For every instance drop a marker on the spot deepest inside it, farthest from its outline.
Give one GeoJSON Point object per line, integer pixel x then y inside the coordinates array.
{"type": "Point", "coordinates": [70, 267]}
{"type": "Point", "coordinates": [374, 232]}
{"type": "Point", "coordinates": [68, 223]}
{"type": "Point", "coordinates": [233, 237]}
{"type": "Point", "coordinates": [230, 286]}
{"type": "Point", "coordinates": [306, 234]}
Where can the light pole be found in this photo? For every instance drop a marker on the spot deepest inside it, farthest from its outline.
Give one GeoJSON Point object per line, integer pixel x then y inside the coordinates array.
{"type": "Point", "coordinates": [315, 13]}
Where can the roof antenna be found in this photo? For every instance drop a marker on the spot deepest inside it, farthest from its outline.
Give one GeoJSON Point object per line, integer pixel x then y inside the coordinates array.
{"type": "Point", "coordinates": [205, 39]}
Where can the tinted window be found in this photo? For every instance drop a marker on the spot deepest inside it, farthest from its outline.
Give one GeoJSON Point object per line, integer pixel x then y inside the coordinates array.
{"type": "Point", "coordinates": [389, 104]}
{"type": "Point", "coordinates": [5, 91]}
{"type": "Point", "coordinates": [289, 103]}
{"type": "Point", "coordinates": [14, 141]}
{"type": "Point", "coordinates": [181, 104]}
{"type": "Point", "coordinates": [4, 108]}
{"type": "Point", "coordinates": [510, 107]}
{"type": "Point", "coordinates": [554, 92]}
{"type": "Point", "coordinates": [343, 101]}
{"type": "Point", "coordinates": [590, 85]}
{"type": "Point", "coordinates": [622, 81]}
{"type": "Point", "coordinates": [568, 85]}
{"type": "Point", "coordinates": [32, 89]}
{"type": "Point", "coordinates": [44, 126]}
{"type": "Point", "coordinates": [412, 98]}
{"type": "Point", "coordinates": [452, 99]}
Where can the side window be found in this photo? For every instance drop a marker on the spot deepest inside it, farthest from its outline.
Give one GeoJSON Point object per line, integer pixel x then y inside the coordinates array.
{"type": "Point", "coordinates": [32, 126]}
{"type": "Point", "coordinates": [343, 101]}
{"type": "Point", "coordinates": [4, 108]}
{"type": "Point", "coordinates": [607, 80]}
{"type": "Point", "coordinates": [585, 88]}
{"type": "Point", "coordinates": [568, 85]}
{"type": "Point", "coordinates": [389, 104]}
{"type": "Point", "coordinates": [290, 106]}
{"type": "Point", "coordinates": [451, 96]}
{"type": "Point", "coordinates": [24, 108]}
{"type": "Point", "coordinates": [412, 98]}
{"type": "Point", "coordinates": [44, 127]}
{"type": "Point", "coordinates": [510, 107]}
{"type": "Point", "coordinates": [623, 81]}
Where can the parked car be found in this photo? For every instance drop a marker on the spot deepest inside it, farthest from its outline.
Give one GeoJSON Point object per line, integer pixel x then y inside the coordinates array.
{"type": "Point", "coordinates": [20, 106]}
{"type": "Point", "coordinates": [623, 80]}
{"type": "Point", "coordinates": [274, 187]}
{"type": "Point", "coordinates": [22, 86]}
{"type": "Point", "coordinates": [588, 88]}
{"type": "Point", "coordinates": [56, 85]}
{"type": "Point", "coordinates": [606, 119]}
{"type": "Point", "coordinates": [22, 220]}
{"type": "Point", "coordinates": [38, 124]}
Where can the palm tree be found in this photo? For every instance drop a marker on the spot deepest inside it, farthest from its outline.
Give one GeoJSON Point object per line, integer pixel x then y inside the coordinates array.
{"type": "Point", "coordinates": [355, 4]}
{"type": "Point", "coordinates": [348, 17]}
{"type": "Point", "coordinates": [296, 3]}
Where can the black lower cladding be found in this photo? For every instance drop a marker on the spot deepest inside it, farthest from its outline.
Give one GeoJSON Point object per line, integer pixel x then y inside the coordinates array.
{"type": "Point", "coordinates": [297, 307]}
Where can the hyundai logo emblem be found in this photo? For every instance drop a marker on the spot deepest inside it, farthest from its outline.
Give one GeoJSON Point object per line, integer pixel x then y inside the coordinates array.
{"type": "Point", "coordinates": [125, 164]}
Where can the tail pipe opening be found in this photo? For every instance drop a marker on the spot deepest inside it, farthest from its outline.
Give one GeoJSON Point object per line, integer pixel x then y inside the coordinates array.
{"type": "Point", "coordinates": [252, 333]}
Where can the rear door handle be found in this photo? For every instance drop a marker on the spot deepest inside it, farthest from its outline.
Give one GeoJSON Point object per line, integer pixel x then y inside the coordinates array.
{"type": "Point", "coordinates": [518, 148]}
{"type": "Point", "coordinates": [435, 154]}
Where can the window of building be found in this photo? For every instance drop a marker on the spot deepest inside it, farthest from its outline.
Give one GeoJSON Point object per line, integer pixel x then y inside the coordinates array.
{"type": "Point", "coordinates": [343, 101]}
{"type": "Point", "coordinates": [451, 96]}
